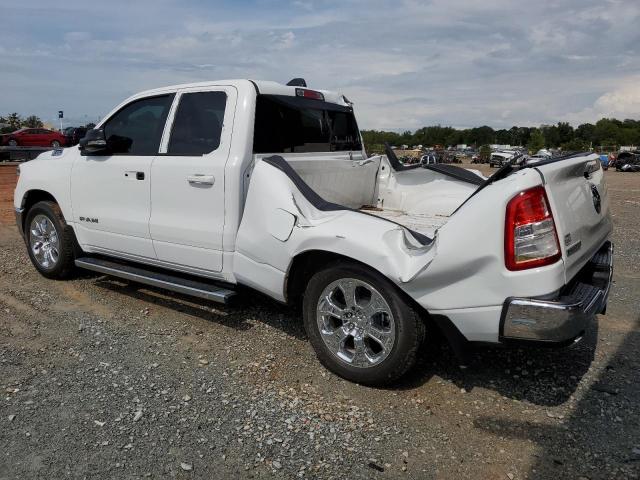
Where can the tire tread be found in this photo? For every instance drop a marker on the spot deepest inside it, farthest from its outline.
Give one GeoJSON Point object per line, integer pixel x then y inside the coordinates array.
{"type": "Point", "coordinates": [66, 265]}
{"type": "Point", "coordinates": [413, 325]}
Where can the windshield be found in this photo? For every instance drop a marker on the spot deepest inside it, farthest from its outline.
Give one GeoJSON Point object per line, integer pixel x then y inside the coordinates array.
{"type": "Point", "coordinates": [291, 124]}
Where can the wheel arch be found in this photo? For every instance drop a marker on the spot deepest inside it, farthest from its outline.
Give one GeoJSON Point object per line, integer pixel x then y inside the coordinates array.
{"type": "Point", "coordinates": [31, 197]}
{"type": "Point", "coordinates": [307, 263]}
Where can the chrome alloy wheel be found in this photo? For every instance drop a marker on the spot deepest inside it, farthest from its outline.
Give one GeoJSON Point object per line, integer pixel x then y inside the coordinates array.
{"type": "Point", "coordinates": [44, 241]}
{"type": "Point", "coordinates": [355, 322]}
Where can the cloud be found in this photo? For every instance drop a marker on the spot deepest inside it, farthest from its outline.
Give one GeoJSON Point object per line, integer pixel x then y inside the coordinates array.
{"type": "Point", "coordinates": [285, 40]}
{"type": "Point", "coordinates": [621, 102]}
{"type": "Point", "coordinates": [404, 63]}
{"type": "Point", "coordinates": [624, 101]}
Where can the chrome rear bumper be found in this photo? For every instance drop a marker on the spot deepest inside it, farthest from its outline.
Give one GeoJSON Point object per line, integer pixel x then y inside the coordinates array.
{"type": "Point", "coordinates": [563, 316]}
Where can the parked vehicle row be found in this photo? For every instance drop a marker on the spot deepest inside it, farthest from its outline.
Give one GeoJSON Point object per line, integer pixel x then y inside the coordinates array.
{"type": "Point", "coordinates": [42, 137]}
{"type": "Point", "coordinates": [34, 137]}
{"type": "Point", "coordinates": [628, 162]}
{"type": "Point", "coordinates": [74, 135]}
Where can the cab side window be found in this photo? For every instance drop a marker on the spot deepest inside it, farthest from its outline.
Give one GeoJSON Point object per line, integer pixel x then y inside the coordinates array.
{"type": "Point", "coordinates": [197, 126]}
{"type": "Point", "coordinates": [136, 129]}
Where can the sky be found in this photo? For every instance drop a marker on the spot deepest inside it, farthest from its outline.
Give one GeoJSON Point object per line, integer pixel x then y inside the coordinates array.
{"type": "Point", "coordinates": [405, 63]}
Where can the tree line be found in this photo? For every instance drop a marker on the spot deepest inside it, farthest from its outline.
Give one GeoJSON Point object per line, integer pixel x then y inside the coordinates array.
{"type": "Point", "coordinates": [605, 132]}
{"type": "Point", "coordinates": [14, 121]}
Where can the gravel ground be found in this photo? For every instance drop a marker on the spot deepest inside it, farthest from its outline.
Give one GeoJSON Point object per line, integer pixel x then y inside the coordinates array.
{"type": "Point", "coordinates": [104, 379]}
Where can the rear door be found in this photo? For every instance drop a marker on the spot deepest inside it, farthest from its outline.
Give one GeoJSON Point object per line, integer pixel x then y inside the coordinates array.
{"type": "Point", "coordinates": [580, 204]}
{"type": "Point", "coordinates": [45, 137]}
{"type": "Point", "coordinates": [188, 187]}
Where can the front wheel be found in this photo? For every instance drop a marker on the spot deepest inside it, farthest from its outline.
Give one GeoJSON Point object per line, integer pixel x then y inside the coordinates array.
{"type": "Point", "coordinates": [13, 143]}
{"type": "Point", "coordinates": [360, 326]}
{"type": "Point", "coordinates": [49, 240]}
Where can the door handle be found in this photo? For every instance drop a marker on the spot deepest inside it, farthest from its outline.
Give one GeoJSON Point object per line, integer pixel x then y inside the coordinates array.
{"type": "Point", "coordinates": [134, 174]}
{"type": "Point", "coordinates": [200, 179]}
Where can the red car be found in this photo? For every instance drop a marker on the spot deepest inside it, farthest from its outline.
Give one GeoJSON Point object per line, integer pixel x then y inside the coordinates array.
{"type": "Point", "coordinates": [34, 137]}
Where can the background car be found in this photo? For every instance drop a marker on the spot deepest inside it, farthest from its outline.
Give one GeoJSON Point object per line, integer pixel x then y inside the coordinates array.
{"type": "Point", "coordinates": [74, 135]}
{"type": "Point", "coordinates": [34, 137]}
{"type": "Point", "coordinates": [628, 162]}
{"type": "Point", "coordinates": [604, 160]}
{"type": "Point", "coordinates": [429, 159]}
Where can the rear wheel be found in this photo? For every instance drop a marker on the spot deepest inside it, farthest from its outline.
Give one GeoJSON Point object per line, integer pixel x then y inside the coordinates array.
{"type": "Point", "coordinates": [49, 240]}
{"type": "Point", "coordinates": [55, 144]}
{"type": "Point", "coordinates": [360, 326]}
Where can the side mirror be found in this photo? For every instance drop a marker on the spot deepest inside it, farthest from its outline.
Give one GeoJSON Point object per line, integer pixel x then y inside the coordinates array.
{"type": "Point", "coordinates": [93, 143]}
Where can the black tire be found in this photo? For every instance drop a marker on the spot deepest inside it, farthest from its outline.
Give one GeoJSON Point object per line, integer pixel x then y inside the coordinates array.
{"type": "Point", "coordinates": [64, 266]}
{"type": "Point", "coordinates": [13, 143]}
{"type": "Point", "coordinates": [56, 144]}
{"type": "Point", "coordinates": [409, 326]}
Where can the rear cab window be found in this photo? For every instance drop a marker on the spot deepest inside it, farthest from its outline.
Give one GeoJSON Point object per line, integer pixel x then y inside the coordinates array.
{"type": "Point", "coordinates": [287, 124]}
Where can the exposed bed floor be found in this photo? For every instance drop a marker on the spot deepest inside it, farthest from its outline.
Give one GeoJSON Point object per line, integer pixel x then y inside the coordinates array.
{"type": "Point", "coordinates": [423, 223]}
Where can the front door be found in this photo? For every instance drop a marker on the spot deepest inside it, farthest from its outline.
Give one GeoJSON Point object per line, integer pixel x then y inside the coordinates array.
{"type": "Point", "coordinates": [110, 194]}
{"type": "Point", "coordinates": [188, 187]}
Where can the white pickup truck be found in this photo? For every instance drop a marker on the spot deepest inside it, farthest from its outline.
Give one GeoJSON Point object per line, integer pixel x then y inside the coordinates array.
{"type": "Point", "coordinates": [202, 188]}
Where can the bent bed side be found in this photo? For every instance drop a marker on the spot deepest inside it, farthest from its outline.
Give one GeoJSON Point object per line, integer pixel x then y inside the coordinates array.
{"type": "Point", "coordinates": [283, 218]}
{"type": "Point", "coordinates": [321, 204]}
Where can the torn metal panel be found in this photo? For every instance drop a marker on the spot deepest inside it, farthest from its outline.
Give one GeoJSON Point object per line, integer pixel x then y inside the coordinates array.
{"type": "Point", "coordinates": [273, 199]}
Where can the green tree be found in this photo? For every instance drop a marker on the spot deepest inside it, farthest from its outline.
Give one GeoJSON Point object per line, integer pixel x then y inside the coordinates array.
{"type": "Point", "coordinates": [585, 132]}
{"type": "Point", "coordinates": [606, 132]}
{"type": "Point", "coordinates": [551, 135]}
{"type": "Point", "coordinates": [575, 145]}
{"type": "Point", "coordinates": [481, 135]}
{"type": "Point", "coordinates": [565, 132]}
{"type": "Point", "coordinates": [484, 153]}
{"type": "Point", "coordinates": [32, 121]}
{"type": "Point", "coordinates": [503, 137]}
{"type": "Point", "coordinates": [536, 141]}
{"type": "Point", "coordinates": [4, 128]}
{"type": "Point", "coordinates": [14, 120]}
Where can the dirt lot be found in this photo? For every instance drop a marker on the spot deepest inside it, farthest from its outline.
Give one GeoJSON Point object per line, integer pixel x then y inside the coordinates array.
{"type": "Point", "coordinates": [7, 184]}
{"type": "Point", "coordinates": [103, 379]}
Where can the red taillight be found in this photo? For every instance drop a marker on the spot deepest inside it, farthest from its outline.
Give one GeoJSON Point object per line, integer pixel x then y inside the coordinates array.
{"type": "Point", "coordinates": [301, 92]}
{"type": "Point", "coordinates": [530, 237]}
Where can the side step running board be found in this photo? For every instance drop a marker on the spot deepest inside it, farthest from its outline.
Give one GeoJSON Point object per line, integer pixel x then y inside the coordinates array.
{"type": "Point", "coordinates": [174, 283]}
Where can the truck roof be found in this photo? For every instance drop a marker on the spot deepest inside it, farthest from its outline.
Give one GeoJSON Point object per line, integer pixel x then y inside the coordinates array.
{"type": "Point", "coordinates": [266, 87]}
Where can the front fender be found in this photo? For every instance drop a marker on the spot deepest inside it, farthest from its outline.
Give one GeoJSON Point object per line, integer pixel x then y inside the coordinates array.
{"type": "Point", "coordinates": [50, 172]}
